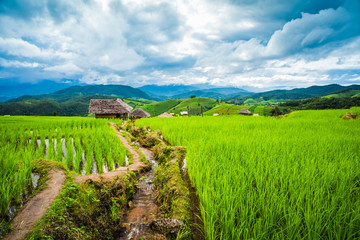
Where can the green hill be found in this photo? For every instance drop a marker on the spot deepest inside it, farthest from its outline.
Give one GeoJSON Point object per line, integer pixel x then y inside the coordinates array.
{"type": "Point", "coordinates": [345, 93]}
{"type": "Point", "coordinates": [225, 109]}
{"type": "Point", "coordinates": [193, 105]}
{"type": "Point", "coordinates": [158, 108]}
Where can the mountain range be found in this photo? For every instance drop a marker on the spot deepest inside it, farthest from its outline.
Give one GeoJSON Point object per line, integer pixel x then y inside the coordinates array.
{"type": "Point", "coordinates": [74, 100]}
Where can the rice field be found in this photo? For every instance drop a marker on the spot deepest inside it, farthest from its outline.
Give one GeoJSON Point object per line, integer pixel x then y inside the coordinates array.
{"type": "Point", "coordinates": [84, 145]}
{"type": "Point", "coordinates": [296, 177]}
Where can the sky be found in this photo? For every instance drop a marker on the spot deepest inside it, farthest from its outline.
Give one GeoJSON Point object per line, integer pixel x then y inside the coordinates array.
{"type": "Point", "coordinates": [256, 43]}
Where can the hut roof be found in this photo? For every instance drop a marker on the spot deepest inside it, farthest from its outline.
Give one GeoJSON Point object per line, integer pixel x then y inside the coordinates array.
{"type": "Point", "coordinates": [244, 111]}
{"type": "Point", "coordinates": [109, 106]}
{"type": "Point", "coordinates": [165, 114]}
{"type": "Point", "coordinates": [139, 113]}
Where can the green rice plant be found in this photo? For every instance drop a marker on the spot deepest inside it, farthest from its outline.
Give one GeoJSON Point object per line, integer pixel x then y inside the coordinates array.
{"type": "Point", "coordinates": [296, 177]}
{"type": "Point", "coordinates": [69, 153]}
{"type": "Point", "coordinates": [19, 147]}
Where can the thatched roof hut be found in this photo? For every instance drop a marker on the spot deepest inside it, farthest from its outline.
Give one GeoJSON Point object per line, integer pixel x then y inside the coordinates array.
{"type": "Point", "coordinates": [139, 113]}
{"type": "Point", "coordinates": [244, 111]}
{"type": "Point", "coordinates": [165, 114]}
{"type": "Point", "coordinates": [109, 108]}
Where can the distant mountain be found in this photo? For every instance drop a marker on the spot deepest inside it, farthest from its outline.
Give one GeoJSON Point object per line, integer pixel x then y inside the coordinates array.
{"type": "Point", "coordinates": [298, 93]}
{"type": "Point", "coordinates": [209, 94]}
{"type": "Point", "coordinates": [185, 91]}
{"type": "Point", "coordinates": [78, 91]}
{"type": "Point", "coordinates": [167, 90]}
{"type": "Point", "coordinates": [11, 88]}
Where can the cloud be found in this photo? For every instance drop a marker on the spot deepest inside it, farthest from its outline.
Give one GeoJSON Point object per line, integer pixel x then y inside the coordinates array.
{"type": "Point", "coordinates": [251, 42]}
{"type": "Point", "coordinates": [67, 69]}
{"type": "Point", "coordinates": [312, 30]}
{"type": "Point", "coordinates": [18, 64]}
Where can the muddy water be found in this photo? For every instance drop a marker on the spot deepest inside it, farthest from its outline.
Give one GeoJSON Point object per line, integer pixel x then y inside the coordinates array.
{"type": "Point", "coordinates": [144, 209]}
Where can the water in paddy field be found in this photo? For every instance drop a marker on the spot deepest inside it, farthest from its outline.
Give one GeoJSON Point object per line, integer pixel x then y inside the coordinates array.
{"type": "Point", "coordinates": [13, 208]}
{"type": "Point", "coordinates": [83, 164]}
{"type": "Point", "coordinates": [126, 161]}
{"type": "Point", "coordinates": [105, 168]}
{"type": "Point", "coordinates": [94, 167]}
{"type": "Point", "coordinates": [144, 209]}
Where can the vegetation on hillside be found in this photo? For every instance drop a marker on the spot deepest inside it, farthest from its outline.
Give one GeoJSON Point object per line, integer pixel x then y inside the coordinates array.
{"type": "Point", "coordinates": [322, 103]}
{"type": "Point", "coordinates": [78, 106]}
{"type": "Point", "coordinates": [158, 108]}
{"type": "Point", "coordinates": [194, 105]}
{"type": "Point", "coordinates": [345, 93]}
{"type": "Point", "coordinates": [225, 109]}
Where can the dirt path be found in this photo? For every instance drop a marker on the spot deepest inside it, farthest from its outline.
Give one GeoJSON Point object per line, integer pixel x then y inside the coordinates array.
{"type": "Point", "coordinates": [137, 164]}
{"type": "Point", "coordinates": [36, 207]}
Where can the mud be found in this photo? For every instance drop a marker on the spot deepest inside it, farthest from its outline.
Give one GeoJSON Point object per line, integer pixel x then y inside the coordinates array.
{"type": "Point", "coordinates": [36, 207]}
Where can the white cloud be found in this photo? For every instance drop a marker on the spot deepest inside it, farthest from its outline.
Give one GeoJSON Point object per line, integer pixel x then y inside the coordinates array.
{"type": "Point", "coordinates": [68, 69]}
{"type": "Point", "coordinates": [18, 64]}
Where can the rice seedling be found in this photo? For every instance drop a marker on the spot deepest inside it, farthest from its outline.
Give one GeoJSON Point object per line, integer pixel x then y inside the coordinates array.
{"type": "Point", "coordinates": [63, 139]}
{"type": "Point", "coordinates": [296, 177]}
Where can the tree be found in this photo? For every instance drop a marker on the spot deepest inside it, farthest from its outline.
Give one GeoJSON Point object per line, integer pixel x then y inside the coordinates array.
{"type": "Point", "coordinates": [54, 113]}
{"type": "Point", "coordinates": [275, 112]}
{"type": "Point", "coordinates": [193, 96]}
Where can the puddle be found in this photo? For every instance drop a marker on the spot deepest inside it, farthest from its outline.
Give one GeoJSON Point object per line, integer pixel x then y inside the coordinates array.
{"type": "Point", "coordinates": [126, 161]}
{"type": "Point", "coordinates": [144, 209]}
{"type": "Point", "coordinates": [105, 168]}
{"type": "Point", "coordinates": [183, 168]}
{"type": "Point", "coordinates": [83, 164]}
{"type": "Point", "coordinates": [94, 167]}
{"type": "Point", "coordinates": [34, 179]}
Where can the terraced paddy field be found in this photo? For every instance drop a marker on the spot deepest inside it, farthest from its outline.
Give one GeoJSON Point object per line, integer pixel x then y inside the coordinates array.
{"type": "Point", "coordinates": [296, 177]}
{"type": "Point", "coordinates": [84, 145]}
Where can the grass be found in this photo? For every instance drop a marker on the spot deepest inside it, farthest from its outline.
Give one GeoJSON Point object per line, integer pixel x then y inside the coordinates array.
{"type": "Point", "coordinates": [296, 177]}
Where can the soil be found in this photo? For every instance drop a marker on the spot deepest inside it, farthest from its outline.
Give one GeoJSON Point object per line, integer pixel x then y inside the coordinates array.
{"type": "Point", "coordinates": [37, 206]}
{"type": "Point", "coordinates": [137, 164]}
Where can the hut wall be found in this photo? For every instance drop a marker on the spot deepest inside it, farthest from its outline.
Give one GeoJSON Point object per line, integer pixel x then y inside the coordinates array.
{"type": "Point", "coordinates": [106, 115]}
